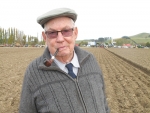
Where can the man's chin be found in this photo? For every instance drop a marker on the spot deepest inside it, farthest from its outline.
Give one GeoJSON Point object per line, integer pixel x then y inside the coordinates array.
{"type": "Point", "coordinates": [64, 53]}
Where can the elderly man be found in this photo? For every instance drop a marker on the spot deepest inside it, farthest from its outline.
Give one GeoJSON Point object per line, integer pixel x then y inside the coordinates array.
{"type": "Point", "coordinates": [65, 79]}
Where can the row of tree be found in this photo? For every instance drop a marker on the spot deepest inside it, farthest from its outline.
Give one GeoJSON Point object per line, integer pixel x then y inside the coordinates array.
{"type": "Point", "coordinates": [15, 37]}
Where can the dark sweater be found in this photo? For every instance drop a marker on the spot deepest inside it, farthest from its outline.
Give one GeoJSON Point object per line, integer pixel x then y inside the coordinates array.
{"type": "Point", "coordinates": [51, 90]}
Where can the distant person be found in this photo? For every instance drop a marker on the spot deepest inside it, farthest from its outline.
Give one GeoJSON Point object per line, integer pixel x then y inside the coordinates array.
{"type": "Point", "coordinates": [65, 79]}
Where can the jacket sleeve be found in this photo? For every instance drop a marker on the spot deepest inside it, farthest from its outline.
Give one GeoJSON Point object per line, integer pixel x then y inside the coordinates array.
{"type": "Point", "coordinates": [105, 101]}
{"type": "Point", "coordinates": [27, 104]}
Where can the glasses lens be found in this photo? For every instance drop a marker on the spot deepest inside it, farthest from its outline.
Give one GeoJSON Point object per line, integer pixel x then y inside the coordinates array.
{"type": "Point", "coordinates": [54, 34]}
{"type": "Point", "coordinates": [51, 34]}
{"type": "Point", "coordinates": [67, 33]}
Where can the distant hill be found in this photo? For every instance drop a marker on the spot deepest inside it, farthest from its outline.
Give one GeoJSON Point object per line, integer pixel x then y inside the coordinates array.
{"type": "Point", "coordinates": [141, 35]}
{"type": "Point", "coordinates": [138, 39]}
{"type": "Point", "coordinates": [141, 38]}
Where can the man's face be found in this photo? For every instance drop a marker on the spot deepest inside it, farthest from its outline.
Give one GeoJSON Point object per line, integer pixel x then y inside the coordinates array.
{"type": "Point", "coordinates": [65, 44]}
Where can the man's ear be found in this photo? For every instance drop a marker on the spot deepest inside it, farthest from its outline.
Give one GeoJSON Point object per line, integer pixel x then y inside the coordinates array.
{"type": "Point", "coordinates": [44, 36]}
{"type": "Point", "coordinates": [76, 32]}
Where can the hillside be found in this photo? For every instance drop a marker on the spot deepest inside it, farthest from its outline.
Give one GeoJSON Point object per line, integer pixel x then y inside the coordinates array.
{"type": "Point", "coordinates": [141, 35]}
{"type": "Point", "coordinates": [138, 39]}
{"type": "Point", "coordinates": [141, 38]}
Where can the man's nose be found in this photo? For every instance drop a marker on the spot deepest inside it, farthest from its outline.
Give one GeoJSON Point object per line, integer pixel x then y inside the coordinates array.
{"type": "Point", "coordinates": [60, 37]}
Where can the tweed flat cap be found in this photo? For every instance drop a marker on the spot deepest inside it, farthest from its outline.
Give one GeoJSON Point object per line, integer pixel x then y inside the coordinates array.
{"type": "Point", "coordinates": [57, 13]}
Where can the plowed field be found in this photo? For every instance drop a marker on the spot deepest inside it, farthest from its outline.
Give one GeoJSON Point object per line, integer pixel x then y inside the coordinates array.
{"type": "Point", "coordinates": [140, 57]}
{"type": "Point", "coordinates": [127, 86]}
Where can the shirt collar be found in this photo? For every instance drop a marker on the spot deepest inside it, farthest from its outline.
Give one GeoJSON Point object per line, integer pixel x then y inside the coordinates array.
{"type": "Point", "coordinates": [74, 61]}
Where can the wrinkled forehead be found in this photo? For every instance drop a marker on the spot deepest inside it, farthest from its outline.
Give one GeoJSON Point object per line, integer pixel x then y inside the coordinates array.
{"type": "Point", "coordinates": [59, 22]}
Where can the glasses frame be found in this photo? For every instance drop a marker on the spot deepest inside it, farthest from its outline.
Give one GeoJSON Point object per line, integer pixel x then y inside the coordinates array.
{"type": "Point", "coordinates": [48, 33]}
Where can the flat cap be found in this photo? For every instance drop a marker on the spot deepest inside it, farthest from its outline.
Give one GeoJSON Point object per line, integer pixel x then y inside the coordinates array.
{"type": "Point", "coordinates": [60, 12]}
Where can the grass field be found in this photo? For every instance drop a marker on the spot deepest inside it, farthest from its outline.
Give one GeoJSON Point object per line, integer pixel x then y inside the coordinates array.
{"type": "Point", "coordinates": [141, 40]}
{"type": "Point", "coordinates": [127, 85]}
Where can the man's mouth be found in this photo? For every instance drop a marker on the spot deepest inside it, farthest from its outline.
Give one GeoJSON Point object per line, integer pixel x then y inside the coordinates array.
{"type": "Point", "coordinates": [62, 48]}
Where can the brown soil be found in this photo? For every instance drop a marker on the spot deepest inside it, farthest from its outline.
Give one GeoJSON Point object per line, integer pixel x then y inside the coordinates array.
{"type": "Point", "coordinates": [13, 62]}
{"type": "Point", "coordinates": [138, 56]}
{"type": "Point", "coordinates": [127, 87]}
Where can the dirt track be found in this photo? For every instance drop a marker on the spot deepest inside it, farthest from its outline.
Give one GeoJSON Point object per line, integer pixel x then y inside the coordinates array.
{"type": "Point", "coordinates": [127, 88]}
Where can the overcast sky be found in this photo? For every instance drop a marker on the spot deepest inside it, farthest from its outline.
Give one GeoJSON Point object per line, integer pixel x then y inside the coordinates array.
{"type": "Point", "coordinates": [96, 18]}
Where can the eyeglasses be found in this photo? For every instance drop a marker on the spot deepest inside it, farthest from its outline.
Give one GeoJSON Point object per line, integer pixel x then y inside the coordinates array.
{"type": "Point", "coordinates": [54, 34]}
